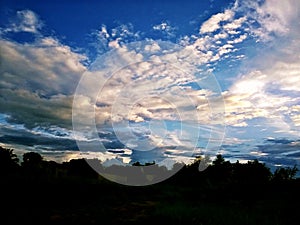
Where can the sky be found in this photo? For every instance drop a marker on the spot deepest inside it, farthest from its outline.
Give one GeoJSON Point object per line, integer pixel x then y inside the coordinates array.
{"type": "Point", "coordinates": [163, 81]}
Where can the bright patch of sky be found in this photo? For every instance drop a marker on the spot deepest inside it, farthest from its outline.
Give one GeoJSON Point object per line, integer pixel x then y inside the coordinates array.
{"type": "Point", "coordinates": [181, 72]}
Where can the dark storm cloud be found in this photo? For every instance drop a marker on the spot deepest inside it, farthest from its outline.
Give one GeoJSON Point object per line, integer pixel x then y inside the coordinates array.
{"type": "Point", "coordinates": [279, 141]}
{"type": "Point", "coordinates": [37, 141]}
{"type": "Point", "coordinates": [280, 146]}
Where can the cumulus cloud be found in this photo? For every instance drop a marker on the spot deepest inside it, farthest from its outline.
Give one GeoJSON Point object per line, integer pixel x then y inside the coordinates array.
{"type": "Point", "coordinates": [45, 67]}
{"type": "Point", "coordinates": [38, 80]}
{"type": "Point", "coordinates": [28, 108]}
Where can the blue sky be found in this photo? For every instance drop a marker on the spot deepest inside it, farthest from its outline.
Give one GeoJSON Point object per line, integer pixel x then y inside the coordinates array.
{"type": "Point", "coordinates": [151, 80]}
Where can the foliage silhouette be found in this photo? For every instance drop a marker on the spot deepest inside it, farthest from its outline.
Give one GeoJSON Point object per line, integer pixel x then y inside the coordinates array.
{"type": "Point", "coordinates": [32, 159]}
{"type": "Point", "coordinates": [46, 192]}
{"type": "Point", "coordinates": [282, 174]}
{"type": "Point", "coordinates": [8, 161]}
{"type": "Point", "coordinates": [8, 158]}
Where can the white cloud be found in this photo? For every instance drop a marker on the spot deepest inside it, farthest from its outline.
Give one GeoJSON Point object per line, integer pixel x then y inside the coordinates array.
{"type": "Point", "coordinates": [165, 28]}
{"type": "Point", "coordinates": [25, 21]}
{"type": "Point", "coordinates": [103, 32]}
{"type": "Point", "coordinates": [221, 36]}
{"type": "Point", "coordinates": [107, 39]}
{"type": "Point", "coordinates": [233, 32]}
{"type": "Point", "coordinates": [240, 39]}
{"type": "Point", "coordinates": [162, 27]}
{"type": "Point", "coordinates": [271, 89]}
{"type": "Point", "coordinates": [296, 119]}
{"type": "Point", "coordinates": [225, 49]}
{"type": "Point", "coordinates": [123, 31]}
{"type": "Point", "coordinates": [271, 17]}
{"type": "Point", "coordinates": [235, 24]}
{"type": "Point", "coordinates": [213, 23]}
{"type": "Point", "coordinates": [266, 93]}
{"type": "Point", "coordinates": [276, 15]}
{"type": "Point", "coordinates": [242, 124]}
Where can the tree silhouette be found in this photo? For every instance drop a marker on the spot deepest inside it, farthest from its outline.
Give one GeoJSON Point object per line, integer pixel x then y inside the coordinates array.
{"type": "Point", "coordinates": [32, 166]}
{"type": "Point", "coordinates": [282, 174]}
{"type": "Point", "coordinates": [220, 170]}
{"type": "Point", "coordinates": [80, 168]}
{"type": "Point", "coordinates": [146, 164]}
{"type": "Point", "coordinates": [32, 159]}
{"type": "Point", "coordinates": [219, 160]}
{"type": "Point", "coordinates": [253, 172]}
{"type": "Point", "coordinates": [8, 160]}
{"type": "Point", "coordinates": [136, 164]}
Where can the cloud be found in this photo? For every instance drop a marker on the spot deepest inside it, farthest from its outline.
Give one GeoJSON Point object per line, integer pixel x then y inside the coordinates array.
{"type": "Point", "coordinates": [165, 28]}
{"type": "Point", "coordinates": [266, 93]}
{"type": "Point", "coordinates": [105, 39]}
{"type": "Point", "coordinates": [37, 140]}
{"type": "Point", "coordinates": [295, 114]}
{"type": "Point", "coordinates": [25, 21]}
{"type": "Point", "coordinates": [269, 87]}
{"type": "Point", "coordinates": [275, 16]}
{"type": "Point", "coordinates": [272, 151]}
{"type": "Point", "coordinates": [271, 17]}
{"type": "Point", "coordinates": [240, 39]}
{"type": "Point", "coordinates": [30, 109]}
{"type": "Point", "coordinates": [284, 150]}
{"type": "Point", "coordinates": [146, 83]}
{"type": "Point", "coordinates": [217, 37]}
{"type": "Point", "coordinates": [38, 80]}
{"type": "Point", "coordinates": [213, 23]}
{"type": "Point", "coordinates": [235, 24]}
{"type": "Point", "coordinates": [45, 67]}
{"type": "Point", "coordinates": [148, 93]}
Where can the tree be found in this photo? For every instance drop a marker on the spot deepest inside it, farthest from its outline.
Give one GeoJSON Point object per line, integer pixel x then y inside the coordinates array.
{"type": "Point", "coordinates": [136, 164]}
{"type": "Point", "coordinates": [288, 173]}
{"type": "Point", "coordinates": [80, 168]}
{"type": "Point", "coordinates": [219, 160]}
{"type": "Point", "coordinates": [251, 172]}
{"type": "Point", "coordinates": [220, 170]}
{"type": "Point", "coordinates": [8, 160]}
{"type": "Point", "coordinates": [32, 159]}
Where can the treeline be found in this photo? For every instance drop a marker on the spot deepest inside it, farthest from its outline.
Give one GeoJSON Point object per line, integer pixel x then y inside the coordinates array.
{"type": "Point", "coordinates": [36, 191]}
{"type": "Point", "coordinates": [34, 167]}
